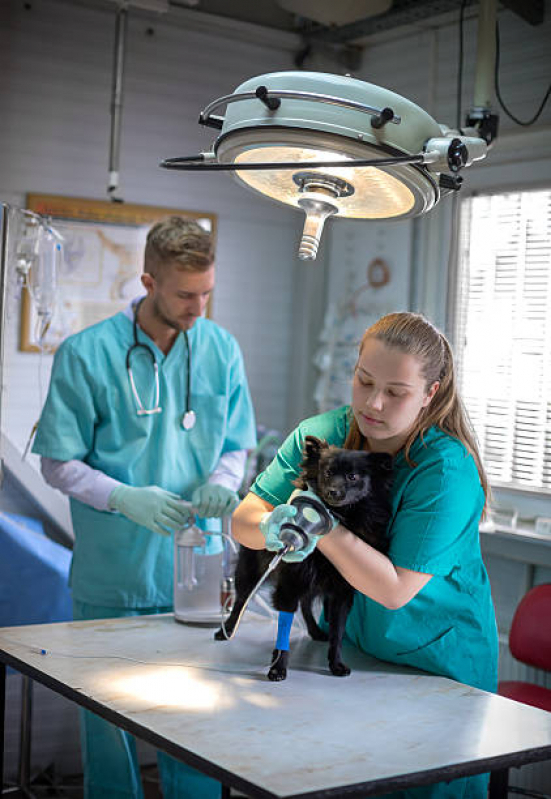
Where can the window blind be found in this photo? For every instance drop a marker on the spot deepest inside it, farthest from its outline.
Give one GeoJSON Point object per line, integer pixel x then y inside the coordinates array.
{"type": "Point", "coordinates": [503, 333]}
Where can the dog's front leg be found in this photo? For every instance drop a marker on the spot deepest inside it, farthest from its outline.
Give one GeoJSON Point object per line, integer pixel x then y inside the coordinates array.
{"type": "Point", "coordinates": [338, 608]}
{"type": "Point", "coordinates": [291, 584]}
{"type": "Point", "coordinates": [280, 655]}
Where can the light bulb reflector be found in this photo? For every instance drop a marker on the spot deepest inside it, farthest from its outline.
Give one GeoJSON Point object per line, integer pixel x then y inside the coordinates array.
{"type": "Point", "coordinates": [377, 193]}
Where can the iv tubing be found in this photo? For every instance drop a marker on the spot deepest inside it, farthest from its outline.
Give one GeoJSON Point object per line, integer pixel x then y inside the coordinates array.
{"type": "Point", "coordinates": [271, 566]}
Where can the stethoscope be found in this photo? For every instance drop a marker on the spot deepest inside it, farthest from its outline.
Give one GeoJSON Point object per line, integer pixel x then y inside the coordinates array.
{"type": "Point", "coordinates": [189, 417]}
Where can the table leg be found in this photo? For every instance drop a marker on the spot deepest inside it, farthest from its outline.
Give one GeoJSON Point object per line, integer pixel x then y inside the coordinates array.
{"type": "Point", "coordinates": [2, 719]}
{"type": "Point", "coordinates": [25, 733]}
{"type": "Point", "coordinates": [226, 792]}
{"type": "Point", "coordinates": [499, 783]}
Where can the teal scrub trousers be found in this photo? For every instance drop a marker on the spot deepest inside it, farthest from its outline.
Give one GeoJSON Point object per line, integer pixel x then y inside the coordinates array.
{"type": "Point", "coordinates": [109, 758]}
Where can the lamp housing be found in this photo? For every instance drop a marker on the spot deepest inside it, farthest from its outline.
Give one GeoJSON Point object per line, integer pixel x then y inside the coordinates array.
{"type": "Point", "coordinates": [333, 146]}
{"type": "Point", "coordinates": [330, 117]}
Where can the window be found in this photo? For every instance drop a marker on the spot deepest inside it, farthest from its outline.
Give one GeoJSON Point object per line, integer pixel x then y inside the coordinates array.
{"type": "Point", "coordinates": [503, 333]}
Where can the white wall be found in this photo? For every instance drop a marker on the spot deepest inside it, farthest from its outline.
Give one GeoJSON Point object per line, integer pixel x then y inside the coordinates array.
{"type": "Point", "coordinates": [56, 62]}
{"type": "Point", "coordinates": [422, 66]}
{"type": "Point", "coordinates": [421, 63]}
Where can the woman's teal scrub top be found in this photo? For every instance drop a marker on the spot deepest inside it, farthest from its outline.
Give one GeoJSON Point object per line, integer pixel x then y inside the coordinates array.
{"type": "Point", "coordinates": [449, 627]}
{"type": "Point", "coordinates": [90, 415]}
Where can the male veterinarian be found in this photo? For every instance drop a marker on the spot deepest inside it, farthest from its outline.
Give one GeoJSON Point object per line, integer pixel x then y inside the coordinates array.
{"type": "Point", "coordinates": [145, 408]}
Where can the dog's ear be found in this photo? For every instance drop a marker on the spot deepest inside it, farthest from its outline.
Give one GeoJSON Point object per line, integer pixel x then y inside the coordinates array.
{"type": "Point", "coordinates": [312, 449]}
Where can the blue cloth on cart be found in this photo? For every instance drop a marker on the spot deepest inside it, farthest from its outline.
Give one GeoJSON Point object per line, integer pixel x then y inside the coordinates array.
{"type": "Point", "coordinates": [34, 574]}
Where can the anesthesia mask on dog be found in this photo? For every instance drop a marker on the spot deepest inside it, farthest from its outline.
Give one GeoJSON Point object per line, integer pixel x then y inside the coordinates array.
{"type": "Point", "coordinates": [312, 519]}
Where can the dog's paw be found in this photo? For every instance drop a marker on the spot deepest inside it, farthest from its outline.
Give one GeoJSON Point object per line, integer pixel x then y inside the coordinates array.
{"type": "Point", "coordinates": [277, 674]}
{"type": "Point", "coordinates": [339, 669]}
{"type": "Point", "coordinates": [278, 669]}
{"type": "Point", "coordinates": [219, 635]}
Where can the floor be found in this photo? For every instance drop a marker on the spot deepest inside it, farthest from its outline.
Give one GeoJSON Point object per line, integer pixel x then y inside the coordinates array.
{"type": "Point", "coordinates": [52, 785]}
{"type": "Point", "coordinates": [49, 784]}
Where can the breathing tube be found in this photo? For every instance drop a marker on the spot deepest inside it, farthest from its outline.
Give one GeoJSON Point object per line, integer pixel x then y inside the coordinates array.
{"type": "Point", "coordinates": [312, 519]}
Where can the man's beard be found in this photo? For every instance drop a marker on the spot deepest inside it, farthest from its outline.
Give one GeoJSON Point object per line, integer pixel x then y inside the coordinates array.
{"type": "Point", "coordinates": [161, 317]}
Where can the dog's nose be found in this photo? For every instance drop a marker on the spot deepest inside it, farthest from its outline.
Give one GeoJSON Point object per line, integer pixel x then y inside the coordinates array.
{"type": "Point", "coordinates": [335, 493]}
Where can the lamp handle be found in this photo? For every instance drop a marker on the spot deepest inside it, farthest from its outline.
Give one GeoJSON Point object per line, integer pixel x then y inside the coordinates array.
{"type": "Point", "coordinates": [286, 94]}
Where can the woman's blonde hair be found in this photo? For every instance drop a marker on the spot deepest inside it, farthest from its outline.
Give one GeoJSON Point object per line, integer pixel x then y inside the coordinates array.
{"type": "Point", "coordinates": [413, 334]}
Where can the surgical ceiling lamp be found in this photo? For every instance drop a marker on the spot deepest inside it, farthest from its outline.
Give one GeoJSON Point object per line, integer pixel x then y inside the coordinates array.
{"type": "Point", "coordinates": [337, 146]}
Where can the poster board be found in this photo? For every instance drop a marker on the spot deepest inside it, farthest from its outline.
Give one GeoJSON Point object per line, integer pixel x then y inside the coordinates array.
{"type": "Point", "coordinates": [102, 260]}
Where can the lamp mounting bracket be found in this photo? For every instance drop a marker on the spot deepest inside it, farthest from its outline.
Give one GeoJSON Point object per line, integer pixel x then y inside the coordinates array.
{"type": "Point", "coordinates": [484, 122]}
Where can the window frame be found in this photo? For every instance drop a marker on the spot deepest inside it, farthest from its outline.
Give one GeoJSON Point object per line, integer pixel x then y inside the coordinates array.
{"type": "Point", "coordinates": [454, 298]}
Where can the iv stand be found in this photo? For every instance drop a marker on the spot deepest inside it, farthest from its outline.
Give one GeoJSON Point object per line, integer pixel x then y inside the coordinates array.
{"type": "Point", "coordinates": [26, 684]}
{"type": "Point", "coordinates": [3, 295]}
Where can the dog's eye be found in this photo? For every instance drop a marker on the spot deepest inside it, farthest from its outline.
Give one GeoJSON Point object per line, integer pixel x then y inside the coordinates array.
{"type": "Point", "coordinates": [352, 477]}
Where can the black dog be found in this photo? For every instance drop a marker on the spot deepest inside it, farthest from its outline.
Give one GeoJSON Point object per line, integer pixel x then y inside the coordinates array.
{"type": "Point", "coordinates": [355, 486]}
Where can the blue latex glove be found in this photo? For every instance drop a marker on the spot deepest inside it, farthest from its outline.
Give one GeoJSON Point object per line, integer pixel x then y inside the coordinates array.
{"type": "Point", "coordinates": [151, 507]}
{"type": "Point", "coordinates": [301, 554]}
{"type": "Point", "coordinates": [270, 525]}
{"type": "Point", "coordinates": [213, 501]}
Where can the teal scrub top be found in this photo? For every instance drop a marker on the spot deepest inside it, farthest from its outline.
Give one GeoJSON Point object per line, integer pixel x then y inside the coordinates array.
{"type": "Point", "coordinates": [449, 627]}
{"type": "Point", "coordinates": [90, 415]}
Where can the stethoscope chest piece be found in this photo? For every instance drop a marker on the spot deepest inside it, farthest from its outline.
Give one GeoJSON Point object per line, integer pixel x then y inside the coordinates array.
{"type": "Point", "coordinates": [188, 420]}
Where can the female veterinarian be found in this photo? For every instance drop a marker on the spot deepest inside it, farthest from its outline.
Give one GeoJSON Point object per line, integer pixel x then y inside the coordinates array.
{"type": "Point", "coordinates": [428, 603]}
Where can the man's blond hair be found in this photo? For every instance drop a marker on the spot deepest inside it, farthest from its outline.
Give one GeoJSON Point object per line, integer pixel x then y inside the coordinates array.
{"type": "Point", "coordinates": [180, 241]}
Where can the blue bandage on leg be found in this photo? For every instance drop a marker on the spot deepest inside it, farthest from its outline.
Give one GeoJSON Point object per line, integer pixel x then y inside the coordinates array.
{"type": "Point", "coordinates": [284, 624]}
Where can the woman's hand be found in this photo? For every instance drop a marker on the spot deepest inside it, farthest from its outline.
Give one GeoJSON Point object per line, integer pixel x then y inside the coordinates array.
{"type": "Point", "coordinates": [270, 526]}
{"type": "Point", "coordinates": [246, 521]}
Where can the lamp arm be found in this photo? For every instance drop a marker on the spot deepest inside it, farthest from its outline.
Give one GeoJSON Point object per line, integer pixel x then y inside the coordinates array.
{"type": "Point", "coordinates": [485, 55]}
{"type": "Point", "coordinates": [480, 116]}
{"type": "Point", "coordinates": [460, 148]}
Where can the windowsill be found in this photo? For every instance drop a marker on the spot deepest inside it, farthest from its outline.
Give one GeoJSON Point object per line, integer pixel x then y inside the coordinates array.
{"type": "Point", "coordinates": [527, 491]}
{"type": "Point", "coordinates": [518, 533]}
{"type": "Point", "coordinates": [520, 544]}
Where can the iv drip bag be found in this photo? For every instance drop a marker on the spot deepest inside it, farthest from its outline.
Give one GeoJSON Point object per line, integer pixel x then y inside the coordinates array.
{"type": "Point", "coordinates": [44, 273]}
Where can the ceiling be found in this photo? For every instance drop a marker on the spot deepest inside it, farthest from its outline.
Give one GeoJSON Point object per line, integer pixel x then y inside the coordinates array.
{"type": "Point", "coordinates": [341, 21]}
{"type": "Point", "coordinates": [339, 30]}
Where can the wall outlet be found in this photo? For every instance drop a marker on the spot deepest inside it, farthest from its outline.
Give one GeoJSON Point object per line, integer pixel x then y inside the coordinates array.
{"type": "Point", "coordinates": [543, 525]}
